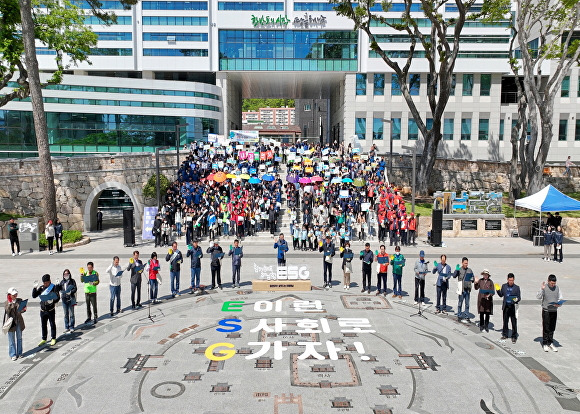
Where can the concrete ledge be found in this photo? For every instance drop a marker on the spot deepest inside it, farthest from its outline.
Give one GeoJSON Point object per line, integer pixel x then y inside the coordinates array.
{"type": "Point", "coordinates": [285, 285]}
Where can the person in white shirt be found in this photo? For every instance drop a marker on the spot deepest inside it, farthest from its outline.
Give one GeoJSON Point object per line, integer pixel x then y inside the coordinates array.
{"type": "Point", "coordinates": [115, 284]}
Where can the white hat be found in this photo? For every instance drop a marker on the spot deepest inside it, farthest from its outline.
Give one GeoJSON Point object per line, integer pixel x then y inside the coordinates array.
{"type": "Point", "coordinates": [12, 291]}
{"type": "Point", "coordinates": [485, 271]}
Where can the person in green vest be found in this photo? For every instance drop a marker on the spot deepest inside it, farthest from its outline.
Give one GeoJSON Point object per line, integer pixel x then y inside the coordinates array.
{"type": "Point", "coordinates": [90, 291]}
{"type": "Point", "coordinates": [398, 262]}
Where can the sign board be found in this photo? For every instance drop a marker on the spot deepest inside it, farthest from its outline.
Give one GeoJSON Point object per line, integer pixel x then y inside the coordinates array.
{"type": "Point", "coordinates": [493, 224]}
{"type": "Point", "coordinates": [470, 224]}
{"type": "Point", "coordinates": [28, 233]}
{"type": "Point", "coordinates": [447, 225]}
{"type": "Point", "coordinates": [149, 214]}
{"type": "Point", "coordinates": [244, 136]}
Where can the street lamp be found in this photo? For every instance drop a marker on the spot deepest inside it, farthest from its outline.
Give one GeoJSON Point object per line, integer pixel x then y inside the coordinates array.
{"type": "Point", "coordinates": [389, 121]}
{"type": "Point", "coordinates": [177, 143]}
{"type": "Point", "coordinates": [157, 175]}
{"type": "Point", "coordinates": [414, 174]}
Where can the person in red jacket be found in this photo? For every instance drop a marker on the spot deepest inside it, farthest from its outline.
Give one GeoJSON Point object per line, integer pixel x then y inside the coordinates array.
{"type": "Point", "coordinates": [383, 265]}
{"type": "Point", "coordinates": [412, 234]}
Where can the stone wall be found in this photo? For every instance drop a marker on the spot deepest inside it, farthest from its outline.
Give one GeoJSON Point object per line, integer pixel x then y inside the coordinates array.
{"type": "Point", "coordinates": [76, 180]}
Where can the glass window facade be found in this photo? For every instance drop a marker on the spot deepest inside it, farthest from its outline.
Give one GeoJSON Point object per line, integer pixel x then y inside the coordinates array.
{"type": "Point", "coordinates": [485, 84]}
{"type": "Point", "coordinates": [396, 129]}
{"type": "Point", "coordinates": [414, 84]}
{"type": "Point", "coordinates": [139, 104]}
{"type": "Point", "coordinates": [104, 4]}
{"type": "Point", "coordinates": [483, 134]}
{"type": "Point", "coordinates": [314, 6]}
{"type": "Point", "coordinates": [178, 37]}
{"type": "Point", "coordinates": [465, 129]}
{"type": "Point", "coordinates": [379, 84]}
{"type": "Point", "coordinates": [174, 21]}
{"type": "Point", "coordinates": [116, 36]}
{"type": "Point", "coordinates": [467, 84]}
{"type": "Point", "coordinates": [106, 51]}
{"type": "Point", "coordinates": [291, 50]}
{"type": "Point", "coordinates": [361, 84]}
{"type": "Point", "coordinates": [448, 129]}
{"type": "Point", "coordinates": [565, 91]}
{"type": "Point", "coordinates": [501, 129]}
{"type": "Point", "coordinates": [377, 128]}
{"type": "Point", "coordinates": [251, 5]}
{"type": "Point", "coordinates": [413, 133]}
{"type": "Point", "coordinates": [563, 130]}
{"type": "Point", "coordinates": [395, 87]}
{"type": "Point", "coordinates": [174, 5]}
{"type": "Point", "coordinates": [99, 132]}
{"type": "Point", "coordinates": [121, 20]}
{"type": "Point", "coordinates": [360, 128]}
{"type": "Point", "coordinates": [577, 130]}
{"type": "Point", "coordinates": [176, 52]}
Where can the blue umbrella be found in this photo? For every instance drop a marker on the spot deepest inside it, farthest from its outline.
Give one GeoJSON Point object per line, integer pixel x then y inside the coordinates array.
{"type": "Point", "coordinates": [336, 180]}
{"type": "Point", "coordinates": [347, 180]}
{"type": "Point", "coordinates": [254, 180]}
{"type": "Point", "coordinates": [267, 177]}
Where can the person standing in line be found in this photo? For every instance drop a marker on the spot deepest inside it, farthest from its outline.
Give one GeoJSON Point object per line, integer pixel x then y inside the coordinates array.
{"type": "Point", "coordinates": [465, 280]}
{"type": "Point", "coordinates": [346, 255]}
{"type": "Point", "coordinates": [196, 254]}
{"type": "Point", "coordinates": [68, 295]}
{"type": "Point", "coordinates": [484, 299]}
{"type": "Point", "coordinates": [282, 246]}
{"type": "Point", "coordinates": [558, 239]}
{"type": "Point", "coordinates": [327, 248]}
{"type": "Point", "coordinates": [551, 298]}
{"type": "Point", "coordinates": [412, 234]}
{"type": "Point", "coordinates": [13, 234]}
{"type": "Point", "coordinates": [510, 292]}
{"type": "Point", "coordinates": [175, 258]}
{"type": "Point", "coordinates": [154, 278]}
{"type": "Point", "coordinates": [383, 268]}
{"type": "Point", "coordinates": [99, 220]}
{"type": "Point", "coordinates": [548, 242]}
{"type": "Point", "coordinates": [136, 268]}
{"type": "Point", "coordinates": [237, 252]}
{"type": "Point", "coordinates": [569, 165]}
{"type": "Point", "coordinates": [398, 262]}
{"type": "Point", "coordinates": [115, 285]}
{"type": "Point", "coordinates": [156, 230]}
{"type": "Point", "coordinates": [367, 257]}
{"type": "Point", "coordinates": [58, 229]}
{"type": "Point", "coordinates": [47, 307]}
{"type": "Point", "coordinates": [421, 270]}
{"type": "Point", "coordinates": [91, 291]}
{"type": "Point", "coordinates": [217, 253]}
{"type": "Point", "coordinates": [49, 234]}
{"type": "Point", "coordinates": [12, 310]}
{"type": "Point", "coordinates": [444, 273]}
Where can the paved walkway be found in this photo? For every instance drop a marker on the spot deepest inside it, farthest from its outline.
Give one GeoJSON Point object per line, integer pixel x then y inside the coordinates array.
{"type": "Point", "coordinates": [369, 353]}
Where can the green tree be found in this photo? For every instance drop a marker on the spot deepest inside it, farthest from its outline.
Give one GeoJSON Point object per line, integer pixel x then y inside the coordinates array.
{"type": "Point", "coordinates": [59, 25]}
{"type": "Point", "coordinates": [440, 42]}
{"type": "Point", "coordinates": [150, 189]}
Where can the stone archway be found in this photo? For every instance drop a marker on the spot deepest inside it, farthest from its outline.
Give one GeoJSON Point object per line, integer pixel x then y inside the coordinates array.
{"type": "Point", "coordinates": [90, 212]}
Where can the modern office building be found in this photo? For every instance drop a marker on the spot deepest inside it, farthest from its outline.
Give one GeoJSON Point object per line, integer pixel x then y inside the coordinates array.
{"type": "Point", "coordinates": [170, 63]}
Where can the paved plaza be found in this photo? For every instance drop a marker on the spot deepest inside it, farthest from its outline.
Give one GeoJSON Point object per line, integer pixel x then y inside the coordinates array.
{"type": "Point", "coordinates": [357, 352]}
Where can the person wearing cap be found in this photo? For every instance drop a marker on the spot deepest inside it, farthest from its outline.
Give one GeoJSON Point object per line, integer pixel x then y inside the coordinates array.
{"type": "Point", "coordinates": [367, 257]}
{"type": "Point", "coordinates": [444, 273]}
{"type": "Point", "coordinates": [68, 295]}
{"type": "Point", "coordinates": [217, 253]}
{"type": "Point", "coordinates": [47, 307]}
{"type": "Point", "coordinates": [12, 310]}
{"type": "Point", "coordinates": [464, 276]}
{"type": "Point", "coordinates": [398, 262]}
{"type": "Point", "coordinates": [421, 269]}
{"type": "Point", "coordinates": [484, 299]}
{"type": "Point", "coordinates": [510, 292]}
{"type": "Point", "coordinates": [196, 254]}
{"type": "Point", "coordinates": [412, 233]}
{"type": "Point", "coordinates": [328, 250]}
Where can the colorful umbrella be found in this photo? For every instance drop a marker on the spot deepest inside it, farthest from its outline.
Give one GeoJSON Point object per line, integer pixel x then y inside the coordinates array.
{"type": "Point", "coordinates": [292, 178]}
{"type": "Point", "coordinates": [231, 176]}
{"type": "Point", "coordinates": [267, 177]}
{"type": "Point", "coordinates": [347, 180]}
{"type": "Point", "coordinates": [316, 178]}
{"type": "Point", "coordinates": [220, 177]}
{"type": "Point", "coordinates": [336, 180]}
{"type": "Point", "coordinates": [304, 180]}
{"type": "Point", "coordinates": [244, 176]}
{"type": "Point", "coordinates": [254, 180]}
{"type": "Point", "coordinates": [210, 177]}
{"type": "Point", "coordinates": [359, 182]}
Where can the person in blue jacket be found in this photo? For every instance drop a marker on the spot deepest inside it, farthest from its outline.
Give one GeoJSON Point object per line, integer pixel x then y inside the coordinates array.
{"type": "Point", "coordinates": [444, 273]}
{"type": "Point", "coordinates": [282, 246]}
{"type": "Point", "coordinates": [510, 292]}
